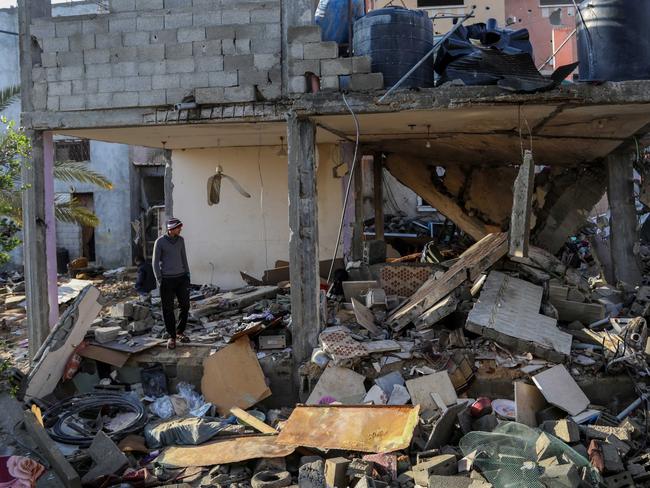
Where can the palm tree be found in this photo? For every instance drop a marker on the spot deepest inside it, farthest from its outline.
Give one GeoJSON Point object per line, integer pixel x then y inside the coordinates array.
{"type": "Point", "coordinates": [8, 96]}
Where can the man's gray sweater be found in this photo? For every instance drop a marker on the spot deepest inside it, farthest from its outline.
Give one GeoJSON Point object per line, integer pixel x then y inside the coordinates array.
{"type": "Point", "coordinates": [169, 258]}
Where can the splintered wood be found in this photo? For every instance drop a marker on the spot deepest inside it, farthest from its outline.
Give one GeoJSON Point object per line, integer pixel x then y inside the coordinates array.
{"type": "Point", "coordinates": [522, 207]}
{"type": "Point", "coordinates": [507, 311]}
{"type": "Point", "coordinates": [469, 266]}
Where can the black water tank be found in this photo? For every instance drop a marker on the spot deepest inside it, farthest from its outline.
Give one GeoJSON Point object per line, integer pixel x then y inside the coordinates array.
{"type": "Point", "coordinates": [616, 42]}
{"type": "Point", "coordinates": [396, 38]}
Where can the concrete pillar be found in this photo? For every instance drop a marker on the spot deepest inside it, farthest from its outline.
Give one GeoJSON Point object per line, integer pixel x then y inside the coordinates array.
{"type": "Point", "coordinates": [50, 228]}
{"type": "Point", "coordinates": [168, 185]}
{"type": "Point", "coordinates": [294, 13]}
{"type": "Point", "coordinates": [624, 236]}
{"type": "Point", "coordinates": [303, 237]}
{"type": "Point", "coordinates": [378, 187]}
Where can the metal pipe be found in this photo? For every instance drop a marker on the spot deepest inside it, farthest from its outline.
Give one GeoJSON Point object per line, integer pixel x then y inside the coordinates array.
{"type": "Point", "coordinates": [426, 56]}
{"type": "Point", "coordinates": [633, 406]}
{"type": "Point", "coordinates": [559, 48]}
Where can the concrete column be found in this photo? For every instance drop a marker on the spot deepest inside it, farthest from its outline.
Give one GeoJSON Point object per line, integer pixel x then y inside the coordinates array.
{"type": "Point", "coordinates": [169, 185]}
{"type": "Point", "coordinates": [294, 13]}
{"type": "Point", "coordinates": [50, 228]}
{"type": "Point", "coordinates": [624, 236]}
{"type": "Point", "coordinates": [303, 237]}
{"type": "Point", "coordinates": [378, 187]}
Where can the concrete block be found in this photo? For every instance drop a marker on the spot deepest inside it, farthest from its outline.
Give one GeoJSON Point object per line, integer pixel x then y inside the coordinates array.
{"type": "Point", "coordinates": [206, 19]}
{"type": "Point", "coordinates": [266, 61]}
{"type": "Point", "coordinates": [265, 16]}
{"type": "Point", "coordinates": [68, 73]}
{"type": "Point", "coordinates": [168, 36]}
{"type": "Point", "coordinates": [253, 77]}
{"type": "Point", "coordinates": [179, 19]}
{"type": "Point", "coordinates": [110, 85]}
{"type": "Point", "coordinates": [190, 34]}
{"type": "Point", "coordinates": [363, 82]}
{"type": "Point", "coordinates": [178, 51]}
{"type": "Point", "coordinates": [137, 83]}
{"type": "Point", "coordinates": [106, 334]}
{"type": "Point", "coordinates": [335, 470]}
{"type": "Point", "coordinates": [67, 29]}
{"type": "Point", "coordinates": [209, 63]}
{"type": "Point", "coordinates": [180, 65]}
{"type": "Point", "coordinates": [127, 68]}
{"type": "Point", "coordinates": [335, 67]}
{"type": "Point", "coordinates": [177, 3]}
{"type": "Point", "coordinates": [445, 464]}
{"type": "Point", "coordinates": [127, 24]}
{"type": "Point", "coordinates": [297, 84]}
{"type": "Point", "coordinates": [53, 103]}
{"type": "Point", "coordinates": [48, 60]}
{"type": "Point", "coordinates": [242, 46]}
{"type": "Point", "coordinates": [40, 74]}
{"type": "Point", "coordinates": [297, 68]}
{"type": "Point", "coordinates": [60, 88]}
{"type": "Point", "coordinates": [543, 447]}
{"type": "Point", "coordinates": [140, 326]}
{"type": "Point", "coordinates": [85, 86]}
{"type": "Point", "coordinates": [79, 42]}
{"type": "Point", "coordinates": [238, 16]}
{"type": "Point", "coordinates": [148, 4]}
{"type": "Point", "coordinates": [231, 63]}
{"type": "Point", "coordinates": [43, 30]}
{"type": "Point", "coordinates": [560, 476]}
{"type": "Point", "coordinates": [166, 81]}
{"type": "Point", "coordinates": [220, 32]}
{"type": "Point", "coordinates": [125, 99]}
{"type": "Point", "coordinates": [239, 93]}
{"type": "Point", "coordinates": [39, 95]}
{"type": "Point", "coordinates": [321, 50]}
{"type": "Point", "coordinates": [108, 40]}
{"type": "Point", "coordinates": [69, 59]}
{"type": "Point", "coordinates": [136, 38]}
{"type": "Point", "coordinates": [565, 430]}
{"type": "Point", "coordinates": [121, 54]}
{"type": "Point", "coordinates": [361, 64]}
{"type": "Point", "coordinates": [152, 68]}
{"type": "Point", "coordinates": [122, 5]}
{"type": "Point", "coordinates": [304, 34]}
{"type": "Point", "coordinates": [272, 31]}
{"type": "Point", "coordinates": [150, 52]}
{"type": "Point", "coordinates": [51, 74]}
{"type": "Point", "coordinates": [296, 51]}
{"type": "Point", "coordinates": [228, 46]}
{"type": "Point", "coordinates": [55, 44]}
{"type": "Point", "coordinates": [98, 70]}
{"type": "Point", "coordinates": [265, 46]}
{"type": "Point", "coordinates": [98, 25]}
{"type": "Point", "coordinates": [151, 98]}
{"type": "Point", "coordinates": [329, 83]}
{"type": "Point", "coordinates": [148, 23]}
{"type": "Point", "coordinates": [195, 80]}
{"type": "Point", "coordinates": [249, 31]}
{"type": "Point", "coordinates": [224, 78]}
{"type": "Point", "coordinates": [359, 468]}
{"type": "Point", "coordinates": [209, 95]}
{"type": "Point", "coordinates": [207, 48]}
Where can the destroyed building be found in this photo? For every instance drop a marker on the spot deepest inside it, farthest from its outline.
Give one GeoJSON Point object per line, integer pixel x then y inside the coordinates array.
{"type": "Point", "coordinates": [249, 103]}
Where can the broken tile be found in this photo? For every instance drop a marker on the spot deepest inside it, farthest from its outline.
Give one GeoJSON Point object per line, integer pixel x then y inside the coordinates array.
{"type": "Point", "coordinates": [560, 389]}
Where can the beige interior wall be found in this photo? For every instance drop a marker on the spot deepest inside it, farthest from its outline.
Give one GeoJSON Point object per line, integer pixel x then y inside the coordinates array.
{"type": "Point", "coordinates": [247, 234]}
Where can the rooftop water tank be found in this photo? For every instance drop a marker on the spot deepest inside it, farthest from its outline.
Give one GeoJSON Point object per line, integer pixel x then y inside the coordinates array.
{"type": "Point", "coordinates": [396, 38]}
{"type": "Point", "coordinates": [614, 41]}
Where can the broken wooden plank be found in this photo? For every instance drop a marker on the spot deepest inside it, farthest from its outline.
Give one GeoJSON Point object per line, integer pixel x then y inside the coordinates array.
{"type": "Point", "coordinates": [560, 389]}
{"type": "Point", "coordinates": [439, 311]}
{"type": "Point", "coordinates": [507, 311]}
{"type": "Point", "coordinates": [253, 421]}
{"type": "Point", "coordinates": [522, 207]}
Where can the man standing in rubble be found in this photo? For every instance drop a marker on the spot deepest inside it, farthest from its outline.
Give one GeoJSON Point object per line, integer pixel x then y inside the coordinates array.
{"type": "Point", "coordinates": [173, 278]}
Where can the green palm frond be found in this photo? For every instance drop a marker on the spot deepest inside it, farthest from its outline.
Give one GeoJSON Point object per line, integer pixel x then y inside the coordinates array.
{"type": "Point", "coordinates": [74, 171]}
{"type": "Point", "coordinates": [11, 205]}
{"type": "Point", "coordinates": [73, 213]}
{"type": "Point", "coordinates": [8, 95]}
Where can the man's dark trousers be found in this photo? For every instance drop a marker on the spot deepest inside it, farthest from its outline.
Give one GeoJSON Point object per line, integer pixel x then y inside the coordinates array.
{"type": "Point", "coordinates": [178, 287]}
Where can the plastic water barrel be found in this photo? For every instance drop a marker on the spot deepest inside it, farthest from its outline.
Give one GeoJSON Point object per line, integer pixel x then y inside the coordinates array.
{"type": "Point", "coordinates": [396, 38]}
{"type": "Point", "coordinates": [333, 17]}
{"type": "Point", "coordinates": [615, 44]}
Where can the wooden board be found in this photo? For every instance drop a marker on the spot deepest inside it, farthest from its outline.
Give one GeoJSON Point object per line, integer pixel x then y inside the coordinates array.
{"type": "Point", "coordinates": [133, 346]}
{"type": "Point", "coordinates": [522, 207]}
{"type": "Point", "coordinates": [254, 422]}
{"type": "Point", "coordinates": [439, 311]}
{"type": "Point", "coordinates": [508, 310]}
{"type": "Point", "coordinates": [421, 389]}
{"type": "Point", "coordinates": [342, 384]}
{"type": "Point", "coordinates": [105, 355]}
{"type": "Point", "coordinates": [233, 377]}
{"type": "Point", "coordinates": [528, 401]}
{"type": "Point", "coordinates": [69, 332]}
{"type": "Point", "coordinates": [560, 389]}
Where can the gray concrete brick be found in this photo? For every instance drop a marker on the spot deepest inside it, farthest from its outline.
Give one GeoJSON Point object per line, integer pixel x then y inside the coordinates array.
{"type": "Point", "coordinates": [275, 75]}
{"type": "Point", "coordinates": [361, 64]}
{"type": "Point", "coordinates": [69, 59]}
{"type": "Point", "coordinates": [220, 32]}
{"type": "Point", "coordinates": [135, 38]}
{"type": "Point", "coordinates": [72, 102]}
{"type": "Point", "coordinates": [297, 84]}
{"type": "Point", "coordinates": [177, 3]}
{"type": "Point", "coordinates": [151, 98]}
{"type": "Point", "coordinates": [298, 68]}
{"type": "Point", "coordinates": [164, 36]}
{"type": "Point", "coordinates": [125, 99]}
{"type": "Point", "coordinates": [166, 81]}
{"type": "Point", "coordinates": [96, 56]}
{"type": "Point", "coordinates": [176, 95]}
{"type": "Point", "coordinates": [265, 16]}
{"type": "Point", "coordinates": [51, 74]}
{"type": "Point", "coordinates": [224, 78]}
{"type": "Point", "coordinates": [79, 42]}
{"type": "Point", "coordinates": [108, 41]}
{"type": "Point", "coordinates": [195, 80]}
{"type": "Point", "coordinates": [179, 19]}
{"type": "Point", "coordinates": [60, 88]}
{"type": "Point", "coordinates": [209, 95]}
{"type": "Point", "coordinates": [178, 51]}
{"type": "Point", "coordinates": [98, 70]}
{"type": "Point", "coordinates": [304, 34]}
{"type": "Point", "coordinates": [242, 46]}
{"type": "Point", "coordinates": [235, 16]}
{"type": "Point", "coordinates": [206, 18]}
{"type": "Point", "coordinates": [127, 68]}
{"type": "Point", "coordinates": [85, 87]}
{"type": "Point", "coordinates": [98, 25]}
{"type": "Point", "coordinates": [148, 52]}
{"type": "Point", "coordinates": [248, 31]}
{"type": "Point", "coordinates": [265, 46]}
{"type": "Point", "coordinates": [53, 103]}
{"type": "Point", "coordinates": [68, 73]}
{"type": "Point", "coordinates": [189, 34]}
{"type": "Point", "coordinates": [369, 81]}
{"type": "Point", "coordinates": [121, 54]}
{"type": "Point", "coordinates": [68, 28]}
{"type": "Point", "coordinates": [231, 63]}
{"type": "Point", "coordinates": [266, 61]}
{"type": "Point", "coordinates": [296, 51]}
{"type": "Point", "coordinates": [122, 5]}
{"type": "Point", "coordinates": [122, 24]}
{"type": "Point", "coordinates": [335, 67]}
{"type": "Point", "coordinates": [48, 60]}
{"type": "Point", "coordinates": [110, 85]}
{"type": "Point", "coordinates": [329, 82]}
{"type": "Point", "coordinates": [55, 44]}
{"type": "Point", "coordinates": [186, 65]}
{"type": "Point", "coordinates": [270, 92]}
{"type": "Point", "coordinates": [137, 83]}
{"type": "Point", "coordinates": [99, 100]}
{"type": "Point", "coordinates": [321, 50]}
{"type": "Point", "coordinates": [40, 74]}
{"type": "Point", "coordinates": [253, 77]}
{"type": "Point", "coordinates": [43, 30]}
{"type": "Point", "coordinates": [228, 46]}
{"type": "Point", "coordinates": [150, 23]}
{"type": "Point", "coordinates": [209, 63]}
{"type": "Point", "coordinates": [239, 93]}
{"type": "Point", "coordinates": [273, 31]}
{"type": "Point", "coordinates": [206, 48]}
{"type": "Point", "coordinates": [149, 4]}
{"type": "Point", "coordinates": [149, 68]}
{"type": "Point", "coordinates": [39, 95]}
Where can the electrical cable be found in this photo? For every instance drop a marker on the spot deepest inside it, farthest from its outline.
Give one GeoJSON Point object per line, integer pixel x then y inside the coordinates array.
{"type": "Point", "coordinates": [347, 190]}
{"type": "Point", "coordinates": [259, 169]}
